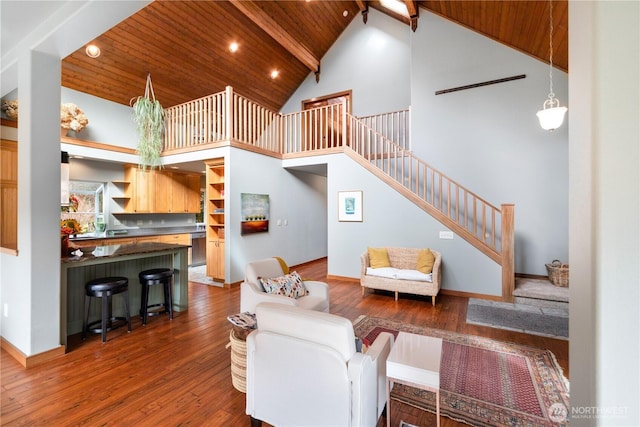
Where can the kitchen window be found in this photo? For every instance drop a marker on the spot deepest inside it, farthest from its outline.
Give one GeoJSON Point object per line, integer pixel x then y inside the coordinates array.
{"type": "Point", "coordinates": [86, 204]}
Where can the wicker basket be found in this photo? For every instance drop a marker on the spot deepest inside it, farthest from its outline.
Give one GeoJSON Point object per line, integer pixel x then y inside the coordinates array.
{"type": "Point", "coordinates": [558, 273]}
{"type": "Point", "coordinates": [238, 362]}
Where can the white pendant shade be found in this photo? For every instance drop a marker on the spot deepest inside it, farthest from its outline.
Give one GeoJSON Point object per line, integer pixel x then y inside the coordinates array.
{"type": "Point", "coordinates": [551, 118]}
{"type": "Point", "coordinates": [552, 114]}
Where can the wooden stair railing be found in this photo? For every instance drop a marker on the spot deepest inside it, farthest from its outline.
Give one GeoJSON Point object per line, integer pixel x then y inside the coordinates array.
{"type": "Point", "coordinates": [486, 227]}
{"type": "Point", "coordinates": [394, 126]}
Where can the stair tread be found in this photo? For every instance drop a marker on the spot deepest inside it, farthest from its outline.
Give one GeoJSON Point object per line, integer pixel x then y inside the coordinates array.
{"type": "Point", "coordinates": [540, 289]}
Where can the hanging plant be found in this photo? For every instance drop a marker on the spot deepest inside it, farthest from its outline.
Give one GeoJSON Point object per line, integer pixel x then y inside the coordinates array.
{"type": "Point", "coordinates": [149, 117]}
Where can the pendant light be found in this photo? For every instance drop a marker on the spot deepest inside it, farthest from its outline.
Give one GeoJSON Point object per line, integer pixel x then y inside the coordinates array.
{"type": "Point", "coordinates": [552, 114]}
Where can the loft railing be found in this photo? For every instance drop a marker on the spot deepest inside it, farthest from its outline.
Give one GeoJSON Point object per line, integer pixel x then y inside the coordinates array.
{"type": "Point", "coordinates": [223, 117]}
{"type": "Point", "coordinates": [195, 123]}
{"type": "Point", "coordinates": [229, 118]}
{"type": "Point", "coordinates": [394, 126]}
{"type": "Point", "coordinates": [313, 130]}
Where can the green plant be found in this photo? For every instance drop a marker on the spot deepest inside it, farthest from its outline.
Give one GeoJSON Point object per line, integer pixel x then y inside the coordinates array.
{"type": "Point", "coordinates": [149, 117]}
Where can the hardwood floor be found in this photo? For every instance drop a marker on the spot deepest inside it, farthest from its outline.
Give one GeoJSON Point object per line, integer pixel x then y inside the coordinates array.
{"type": "Point", "coordinates": [178, 372]}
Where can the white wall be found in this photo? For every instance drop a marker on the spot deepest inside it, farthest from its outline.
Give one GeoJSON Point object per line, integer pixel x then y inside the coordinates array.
{"type": "Point", "coordinates": [375, 55]}
{"type": "Point", "coordinates": [30, 280]}
{"type": "Point", "coordinates": [296, 197]}
{"type": "Point", "coordinates": [391, 220]}
{"type": "Point", "coordinates": [109, 122]}
{"type": "Point", "coordinates": [488, 139]}
{"type": "Point", "coordinates": [604, 325]}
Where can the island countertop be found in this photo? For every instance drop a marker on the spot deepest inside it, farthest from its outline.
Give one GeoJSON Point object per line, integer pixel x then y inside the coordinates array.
{"type": "Point", "coordinates": [114, 251]}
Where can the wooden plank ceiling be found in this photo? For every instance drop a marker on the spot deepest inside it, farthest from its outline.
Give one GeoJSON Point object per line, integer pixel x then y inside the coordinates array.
{"type": "Point", "coordinates": [185, 44]}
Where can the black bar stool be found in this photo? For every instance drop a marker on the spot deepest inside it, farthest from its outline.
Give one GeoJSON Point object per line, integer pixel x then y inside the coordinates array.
{"type": "Point", "coordinates": [105, 288]}
{"type": "Point", "coordinates": [155, 276]}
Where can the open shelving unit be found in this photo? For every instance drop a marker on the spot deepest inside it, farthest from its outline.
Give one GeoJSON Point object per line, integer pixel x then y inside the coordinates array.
{"type": "Point", "coordinates": [121, 199]}
{"type": "Point", "coordinates": [215, 217]}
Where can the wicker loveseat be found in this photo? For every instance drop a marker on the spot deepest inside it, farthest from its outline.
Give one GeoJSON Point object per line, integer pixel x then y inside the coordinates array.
{"type": "Point", "coordinates": [402, 275]}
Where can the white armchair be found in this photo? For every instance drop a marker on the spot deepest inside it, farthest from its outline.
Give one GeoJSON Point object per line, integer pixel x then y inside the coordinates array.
{"type": "Point", "coordinates": [303, 370]}
{"type": "Point", "coordinates": [252, 293]}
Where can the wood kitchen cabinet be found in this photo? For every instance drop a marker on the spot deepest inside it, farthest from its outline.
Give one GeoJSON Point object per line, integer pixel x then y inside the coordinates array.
{"type": "Point", "coordinates": [155, 191]}
{"type": "Point", "coordinates": [192, 195]}
{"type": "Point", "coordinates": [185, 193]}
{"type": "Point", "coordinates": [215, 259]}
{"type": "Point", "coordinates": [163, 192]}
{"type": "Point", "coordinates": [9, 195]}
{"type": "Point", "coordinates": [141, 190]}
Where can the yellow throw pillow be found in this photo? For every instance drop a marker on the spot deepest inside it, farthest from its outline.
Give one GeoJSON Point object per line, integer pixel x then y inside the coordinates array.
{"type": "Point", "coordinates": [378, 257]}
{"type": "Point", "coordinates": [425, 261]}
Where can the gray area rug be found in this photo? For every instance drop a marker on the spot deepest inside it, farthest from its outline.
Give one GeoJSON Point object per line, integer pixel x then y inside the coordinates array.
{"type": "Point", "coordinates": [198, 274]}
{"type": "Point", "coordinates": [548, 322]}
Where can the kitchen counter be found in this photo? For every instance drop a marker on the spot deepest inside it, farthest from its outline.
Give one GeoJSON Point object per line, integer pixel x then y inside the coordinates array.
{"type": "Point", "coordinates": [138, 232]}
{"type": "Point", "coordinates": [125, 260]}
{"type": "Point", "coordinates": [114, 251]}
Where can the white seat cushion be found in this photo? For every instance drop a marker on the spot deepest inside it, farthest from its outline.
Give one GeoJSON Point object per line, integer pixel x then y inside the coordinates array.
{"type": "Point", "coordinates": [415, 275]}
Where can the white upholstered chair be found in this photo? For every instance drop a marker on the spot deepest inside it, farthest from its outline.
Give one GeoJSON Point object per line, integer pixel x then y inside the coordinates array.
{"type": "Point", "coordinates": [303, 370]}
{"type": "Point", "coordinates": [252, 293]}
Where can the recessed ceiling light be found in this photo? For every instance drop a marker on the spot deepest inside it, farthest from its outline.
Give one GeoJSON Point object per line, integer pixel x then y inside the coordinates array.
{"type": "Point", "coordinates": [345, 13]}
{"type": "Point", "coordinates": [274, 74]}
{"type": "Point", "coordinates": [92, 51]}
{"type": "Point", "coordinates": [233, 47]}
{"type": "Point", "coordinates": [175, 167]}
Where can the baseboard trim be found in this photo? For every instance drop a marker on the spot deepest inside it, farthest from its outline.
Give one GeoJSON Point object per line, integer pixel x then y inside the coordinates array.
{"type": "Point", "coordinates": [532, 276]}
{"type": "Point", "coordinates": [291, 267]}
{"type": "Point", "coordinates": [31, 361]}
{"type": "Point", "coordinates": [471, 295]}
{"type": "Point", "coordinates": [344, 279]}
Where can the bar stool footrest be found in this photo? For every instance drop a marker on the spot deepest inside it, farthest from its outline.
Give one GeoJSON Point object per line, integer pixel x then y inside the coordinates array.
{"type": "Point", "coordinates": [113, 323]}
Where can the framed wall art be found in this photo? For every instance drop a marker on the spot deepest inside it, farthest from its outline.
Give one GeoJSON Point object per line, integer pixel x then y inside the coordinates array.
{"type": "Point", "coordinates": [255, 213]}
{"type": "Point", "coordinates": [350, 206]}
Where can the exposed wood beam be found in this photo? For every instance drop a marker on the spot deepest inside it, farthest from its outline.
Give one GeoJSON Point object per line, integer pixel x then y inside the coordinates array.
{"type": "Point", "coordinates": [414, 13]}
{"type": "Point", "coordinates": [364, 9]}
{"type": "Point", "coordinates": [252, 11]}
{"type": "Point", "coordinates": [412, 7]}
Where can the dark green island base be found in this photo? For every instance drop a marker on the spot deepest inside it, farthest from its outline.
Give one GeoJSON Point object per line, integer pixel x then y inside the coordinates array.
{"type": "Point", "coordinates": [119, 260]}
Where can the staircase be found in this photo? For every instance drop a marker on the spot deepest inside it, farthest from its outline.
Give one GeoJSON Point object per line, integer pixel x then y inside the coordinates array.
{"type": "Point", "coordinates": [227, 118]}
{"type": "Point", "coordinates": [486, 227]}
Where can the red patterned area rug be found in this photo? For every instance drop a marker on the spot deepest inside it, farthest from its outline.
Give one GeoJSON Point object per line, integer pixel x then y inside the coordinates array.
{"type": "Point", "coordinates": [484, 382]}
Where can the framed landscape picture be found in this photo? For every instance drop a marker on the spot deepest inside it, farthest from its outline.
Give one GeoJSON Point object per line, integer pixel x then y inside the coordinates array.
{"type": "Point", "coordinates": [255, 213]}
{"type": "Point", "coordinates": [350, 206]}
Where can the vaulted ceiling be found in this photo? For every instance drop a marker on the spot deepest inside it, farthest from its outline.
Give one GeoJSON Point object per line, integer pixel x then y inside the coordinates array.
{"type": "Point", "coordinates": [185, 44]}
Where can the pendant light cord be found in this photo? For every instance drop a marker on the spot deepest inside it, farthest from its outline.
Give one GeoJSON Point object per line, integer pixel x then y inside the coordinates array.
{"type": "Point", "coordinates": [551, 94]}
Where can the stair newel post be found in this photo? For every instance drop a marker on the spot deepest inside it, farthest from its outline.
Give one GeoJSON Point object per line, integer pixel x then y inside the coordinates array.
{"type": "Point", "coordinates": [228, 113]}
{"type": "Point", "coordinates": [507, 251]}
{"type": "Point", "coordinates": [280, 133]}
{"type": "Point", "coordinates": [344, 140]}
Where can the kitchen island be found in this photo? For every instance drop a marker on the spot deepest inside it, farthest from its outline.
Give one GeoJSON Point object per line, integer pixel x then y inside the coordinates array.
{"type": "Point", "coordinates": [125, 260]}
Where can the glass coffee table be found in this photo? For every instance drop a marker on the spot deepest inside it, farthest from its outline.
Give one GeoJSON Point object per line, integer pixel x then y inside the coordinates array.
{"type": "Point", "coordinates": [414, 360]}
